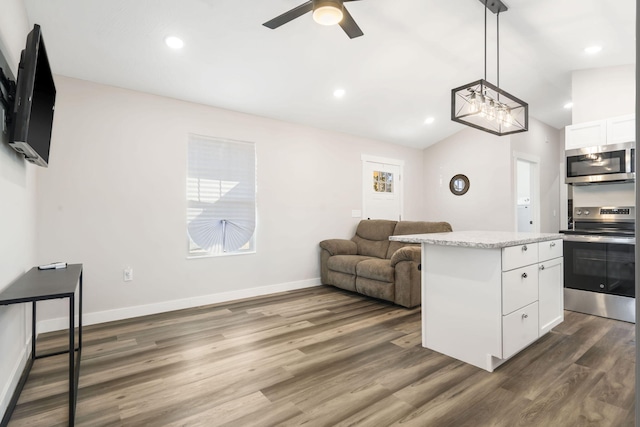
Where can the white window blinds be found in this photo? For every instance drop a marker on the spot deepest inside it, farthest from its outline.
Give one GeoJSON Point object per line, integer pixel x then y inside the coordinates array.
{"type": "Point", "coordinates": [221, 196]}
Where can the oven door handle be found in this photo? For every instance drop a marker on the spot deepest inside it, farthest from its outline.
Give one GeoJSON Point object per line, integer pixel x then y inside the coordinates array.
{"type": "Point", "coordinates": [599, 239]}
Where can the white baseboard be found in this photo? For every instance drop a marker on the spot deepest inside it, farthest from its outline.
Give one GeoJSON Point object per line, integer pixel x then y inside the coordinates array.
{"type": "Point", "coordinates": [161, 307]}
{"type": "Point", "coordinates": [7, 391]}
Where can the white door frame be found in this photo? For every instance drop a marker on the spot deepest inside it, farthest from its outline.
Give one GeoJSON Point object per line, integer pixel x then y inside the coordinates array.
{"type": "Point", "coordinates": [387, 161]}
{"type": "Point", "coordinates": [535, 188]}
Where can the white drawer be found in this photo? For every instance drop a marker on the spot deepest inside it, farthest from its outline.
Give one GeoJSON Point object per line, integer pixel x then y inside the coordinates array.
{"type": "Point", "coordinates": [519, 288]}
{"type": "Point", "coordinates": [519, 329]}
{"type": "Point", "coordinates": [519, 256]}
{"type": "Point", "coordinates": [549, 250]}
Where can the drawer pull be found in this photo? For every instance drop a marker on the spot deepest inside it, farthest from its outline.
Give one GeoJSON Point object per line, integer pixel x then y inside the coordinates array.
{"type": "Point", "coordinates": [542, 267]}
{"type": "Point", "coordinates": [524, 248]}
{"type": "Point", "coordinates": [525, 316]}
{"type": "Point", "coordinates": [552, 244]}
{"type": "Point", "coordinates": [524, 275]}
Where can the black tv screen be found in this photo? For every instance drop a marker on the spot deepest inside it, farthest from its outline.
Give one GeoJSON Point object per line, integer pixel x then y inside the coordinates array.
{"type": "Point", "coordinates": [32, 118]}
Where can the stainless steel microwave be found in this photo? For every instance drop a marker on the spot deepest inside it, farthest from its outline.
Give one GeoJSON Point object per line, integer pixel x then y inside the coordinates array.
{"type": "Point", "coordinates": [605, 163]}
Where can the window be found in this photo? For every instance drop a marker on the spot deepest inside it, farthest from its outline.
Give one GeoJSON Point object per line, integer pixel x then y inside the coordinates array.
{"type": "Point", "coordinates": [382, 182]}
{"type": "Point", "coordinates": [221, 196]}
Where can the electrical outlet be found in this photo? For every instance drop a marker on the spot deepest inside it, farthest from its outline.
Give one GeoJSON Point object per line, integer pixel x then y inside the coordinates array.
{"type": "Point", "coordinates": [127, 274]}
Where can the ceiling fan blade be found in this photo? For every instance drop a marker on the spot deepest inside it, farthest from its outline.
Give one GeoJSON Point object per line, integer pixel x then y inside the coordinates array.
{"type": "Point", "coordinates": [290, 15]}
{"type": "Point", "coordinates": [349, 25]}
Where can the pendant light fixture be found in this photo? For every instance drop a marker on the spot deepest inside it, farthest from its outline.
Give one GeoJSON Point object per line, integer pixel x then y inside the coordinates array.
{"type": "Point", "coordinates": [483, 105]}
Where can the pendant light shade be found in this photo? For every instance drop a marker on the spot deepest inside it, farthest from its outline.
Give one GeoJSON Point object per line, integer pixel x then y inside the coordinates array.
{"type": "Point", "coordinates": [485, 106]}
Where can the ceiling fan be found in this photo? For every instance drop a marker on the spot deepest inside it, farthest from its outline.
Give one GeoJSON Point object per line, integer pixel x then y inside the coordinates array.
{"type": "Point", "coordinates": [325, 12]}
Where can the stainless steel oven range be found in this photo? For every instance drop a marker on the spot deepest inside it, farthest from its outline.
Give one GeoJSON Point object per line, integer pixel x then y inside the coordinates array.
{"type": "Point", "coordinates": [599, 262]}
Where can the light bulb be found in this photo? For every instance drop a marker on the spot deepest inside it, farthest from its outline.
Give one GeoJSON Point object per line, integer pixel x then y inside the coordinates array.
{"type": "Point", "coordinates": [508, 119]}
{"type": "Point", "coordinates": [500, 114]}
{"type": "Point", "coordinates": [491, 110]}
{"type": "Point", "coordinates": [483, 105]}
{"type": "Point", "coordinates": [327, 15]}
{"type": "Point", "coordinates": [473, 103]}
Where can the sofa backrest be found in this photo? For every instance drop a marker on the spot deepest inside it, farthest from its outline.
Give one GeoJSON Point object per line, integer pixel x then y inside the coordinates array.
{"type": "Point", "coordinates": [372, 237]}
{"type": "Point", "coordinates": [415, 227]}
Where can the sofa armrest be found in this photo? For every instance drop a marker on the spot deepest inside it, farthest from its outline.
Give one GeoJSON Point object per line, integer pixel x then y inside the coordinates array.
{"type": "Point", "coordinates": [407, 253]}
{"type": "Point", "coordinates": [340, 247]}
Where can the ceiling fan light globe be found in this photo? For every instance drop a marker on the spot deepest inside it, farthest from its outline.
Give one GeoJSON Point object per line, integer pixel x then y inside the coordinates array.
{"type": "Point", "coordinates": [328, 15]}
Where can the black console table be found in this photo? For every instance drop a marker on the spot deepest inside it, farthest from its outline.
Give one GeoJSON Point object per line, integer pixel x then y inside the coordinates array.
{"type": "Point", "coordinates": [39, 285]}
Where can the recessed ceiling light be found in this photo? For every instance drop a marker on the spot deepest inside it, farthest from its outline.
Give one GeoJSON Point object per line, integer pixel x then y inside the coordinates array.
{"type": "Point", "coordinates": [174, 42]}
{"type": "Point", "coordinates": [568, 105]}
{"type": "Point", "coordinates": [339, 93]}
{"type": "Point", "coordinates": [429, 120]}
{"type": "Point", "coordinates": [592, 49]}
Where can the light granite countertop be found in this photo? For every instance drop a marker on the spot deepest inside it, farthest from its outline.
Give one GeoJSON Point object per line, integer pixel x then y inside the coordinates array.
{"type": "Point", "coordinates": [477, 239]}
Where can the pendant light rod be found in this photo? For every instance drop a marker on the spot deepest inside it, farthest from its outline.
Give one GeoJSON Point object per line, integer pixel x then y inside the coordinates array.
{"type": "Point", "coordinates": [497, 49]}
{"type": "Point", "coordinates": [485, 43]}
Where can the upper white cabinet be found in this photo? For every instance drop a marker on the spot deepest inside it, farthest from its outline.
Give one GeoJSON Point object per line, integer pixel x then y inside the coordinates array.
{"type": "Point", "coordinates": [601, 132]}
{"type": "Point", "coordinates": [621, 129]}
{"type": "Point", "coordinates": [588, 134]}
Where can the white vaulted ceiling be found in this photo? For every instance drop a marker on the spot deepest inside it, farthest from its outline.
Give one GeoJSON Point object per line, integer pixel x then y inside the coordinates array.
{"type": "Point", "coordinates": [400, 72]}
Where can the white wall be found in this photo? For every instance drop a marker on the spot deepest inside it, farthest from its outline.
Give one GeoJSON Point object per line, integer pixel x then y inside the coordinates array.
{"type": "Point", "coordinates": [488, 162]}
{"type": "Point", "coordinates": [114, 196]}
{"type": "Point", "coordinates": [485, 160]}
{"type": "Point", "coordinates": [601, 93]}
{"type": "Point", "coordinates": [17, 217]}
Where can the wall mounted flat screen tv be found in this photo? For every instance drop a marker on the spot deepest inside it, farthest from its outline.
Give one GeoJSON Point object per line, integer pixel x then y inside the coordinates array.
{"type": "Point", "coordinates": [32, 117]}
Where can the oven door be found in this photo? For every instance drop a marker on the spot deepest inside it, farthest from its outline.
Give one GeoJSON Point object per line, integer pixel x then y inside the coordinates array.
{"type": "Point", "coordinates": [597, 265]}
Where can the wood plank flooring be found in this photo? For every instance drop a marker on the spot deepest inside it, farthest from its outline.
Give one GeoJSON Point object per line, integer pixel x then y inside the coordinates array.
{"type": "Point", "coordinates": [324, 357]}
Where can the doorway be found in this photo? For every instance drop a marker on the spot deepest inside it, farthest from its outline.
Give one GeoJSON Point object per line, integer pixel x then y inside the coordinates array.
{"type": "Point", "coordinates": [527, 193]}
{"type": "Point", "coordinates": [381, 188]}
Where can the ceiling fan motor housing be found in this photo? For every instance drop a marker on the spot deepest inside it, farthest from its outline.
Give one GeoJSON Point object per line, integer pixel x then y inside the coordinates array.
{"type": "Point", "coordinates": [331, 3]}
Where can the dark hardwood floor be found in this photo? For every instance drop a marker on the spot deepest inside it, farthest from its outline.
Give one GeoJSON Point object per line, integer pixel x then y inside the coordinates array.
{"type": "Point", "coordinates": [323, 357]}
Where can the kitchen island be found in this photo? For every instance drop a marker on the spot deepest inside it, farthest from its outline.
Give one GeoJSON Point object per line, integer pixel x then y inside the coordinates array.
{"type": "Point", "coordinates": [486, 295]}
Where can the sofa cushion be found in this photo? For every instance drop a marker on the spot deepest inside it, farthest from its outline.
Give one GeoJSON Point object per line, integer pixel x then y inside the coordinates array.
{"type": "Point", "coordinates": [376, 289]}
{"type": "Point", "coordinates": [345, 263]}
{"type": "Point", "coordinates": [376, 269]}
{"type": "Point", "coordinates": [342, 280]}
{"type": "Point", "coordinates": [415, 227]}
{"type": "Point", "coordinates": [372, 237]}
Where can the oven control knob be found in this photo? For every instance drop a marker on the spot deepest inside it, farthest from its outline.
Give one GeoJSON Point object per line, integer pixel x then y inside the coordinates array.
{"type": "Point", "coordinates": [586, 212]}
{"type": "Point", "coordinates": [579, 212]}
{"type": "Point", "coordinates": [601, 286]}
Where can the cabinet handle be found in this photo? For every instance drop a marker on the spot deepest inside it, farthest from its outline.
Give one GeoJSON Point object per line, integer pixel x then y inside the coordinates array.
{"type": "Point", "coordinates": [601, 286]}
{"type": "Point", "coordinates": [552, 244]}
{"type": "Point", "coordinates": [524, 248]}
{"type": "Point", "coordinates": [525, 316]}
{"type": "Point", "coordinates": [524, 275]}
{"type": "Point", "coordinates": [542, 267]}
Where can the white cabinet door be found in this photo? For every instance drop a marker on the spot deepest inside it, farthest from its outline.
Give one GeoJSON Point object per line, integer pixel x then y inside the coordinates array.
{"type": "Point", "coordinates": [588, 134]}
{"type": "Point", "coordinates": [550, 294]}
{"type": "Point", "coordinates": [519, 256]}
{"type": "Point", "coordinates": [549, 250]}
{"type": "Point", "coordinates": [519, 329]}
{"type": "Point", "coordinates": [519, 288]}
{"type": "Point", "coordinates": [621, 129]}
